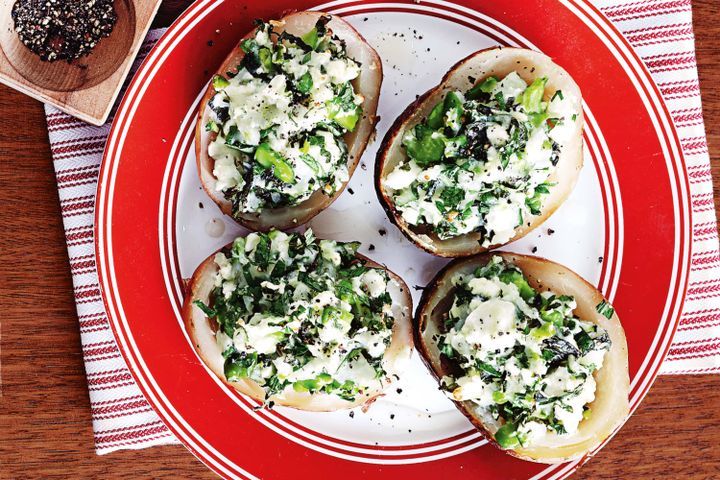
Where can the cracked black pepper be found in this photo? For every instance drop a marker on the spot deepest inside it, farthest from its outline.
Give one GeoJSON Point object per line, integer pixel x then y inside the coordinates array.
{"type": "Point", "coordinates": [63, 30]}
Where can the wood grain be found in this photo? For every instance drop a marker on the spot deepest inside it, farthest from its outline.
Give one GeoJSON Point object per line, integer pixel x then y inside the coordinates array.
{"type": "Point", "coordinates": [45, 429]}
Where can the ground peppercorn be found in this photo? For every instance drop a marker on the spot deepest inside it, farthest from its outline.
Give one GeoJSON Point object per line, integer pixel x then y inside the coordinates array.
{"type": "Point", "coordinates": [63, 30]}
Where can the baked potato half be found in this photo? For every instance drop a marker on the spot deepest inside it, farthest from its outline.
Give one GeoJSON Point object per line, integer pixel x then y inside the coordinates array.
{"type": "Point", "coordinates": [325, 105]}
{"type": "Point", "coordinates": [510, 392]}
{"type": "Point", "coordinates": [291, 320]}
{"type": "Point", "coordinates": [484, 157]}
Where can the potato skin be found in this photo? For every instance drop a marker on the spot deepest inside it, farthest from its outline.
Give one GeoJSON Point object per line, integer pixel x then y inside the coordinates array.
{"type": "Point", "coordinates": [367, 84]}
{"type": "Point", "coordinates": [201, 331]}
{"type": "Point", "coordinates": [480, 65]}
{"type": "Point", "coordinates": [610, 406]}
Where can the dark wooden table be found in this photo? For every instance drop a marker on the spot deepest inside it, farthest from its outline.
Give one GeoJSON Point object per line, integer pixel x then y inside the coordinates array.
{"type": "Point", "coordinates": [45, 429]}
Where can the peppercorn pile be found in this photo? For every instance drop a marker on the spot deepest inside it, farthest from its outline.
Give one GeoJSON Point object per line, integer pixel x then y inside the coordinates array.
{"type": "Point", "coordinates": [61, 29]}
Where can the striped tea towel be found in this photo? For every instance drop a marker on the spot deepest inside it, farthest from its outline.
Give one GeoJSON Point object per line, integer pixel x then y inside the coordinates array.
{"type": "Point", "coordinates": [660, 30]}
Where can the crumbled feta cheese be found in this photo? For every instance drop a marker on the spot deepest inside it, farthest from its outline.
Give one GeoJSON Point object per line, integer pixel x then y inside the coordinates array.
{"type": "Point", "coordinates": [402, 177]}
{"type": "Point", "coordinates": [511, 86]}
{"type": "Point", "coordinates": [329, 252]}
{"type": "Point", "coordinates": [262, 336]}
{"type": "Point", "coordinates": [334, 331]}
{"type": "Point", "coordinates": [225, 270]}
{"type": "Point", "coordinates": [497, 135]}
{"type": "Point", "coordinates": [472, 387]}
{"type": "Point", "coordinates": [501, 220]}
{"type": "Point", "coordinates": [226, 173]}
{"type": "Point", "coordinates": [483, 286]}
{"type": "Point", "coordinates": [323, 299]}
{"type": "Point", "coordinates": [374, 283]}
{"type": "Point", "coordinates": [251, 241]}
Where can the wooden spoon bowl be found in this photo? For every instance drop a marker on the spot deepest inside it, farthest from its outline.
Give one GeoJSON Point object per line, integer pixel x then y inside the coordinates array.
{"type": "Point", "coordinates": [84, 72]}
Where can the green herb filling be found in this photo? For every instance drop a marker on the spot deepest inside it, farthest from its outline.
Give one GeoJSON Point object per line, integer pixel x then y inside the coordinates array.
{"type": "Point", "coordinates": [525, 359]}
{"type": "Point", "coordinates": [280, 119]}
{"type": "Point", "coordinates": [302, 314]}
{"type": "Point", "coordinates": [482, 159]}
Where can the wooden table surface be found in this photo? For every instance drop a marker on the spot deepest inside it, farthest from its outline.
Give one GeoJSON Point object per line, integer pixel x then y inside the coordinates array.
{"type": "Point", "coordinates": [45, 429]}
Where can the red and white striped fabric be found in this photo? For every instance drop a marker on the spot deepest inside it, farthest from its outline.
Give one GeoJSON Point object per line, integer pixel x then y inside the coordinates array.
{"type": "Point", "coordinates": [121, 416]}
{"type": "Point", "coordinates": [661, 31]}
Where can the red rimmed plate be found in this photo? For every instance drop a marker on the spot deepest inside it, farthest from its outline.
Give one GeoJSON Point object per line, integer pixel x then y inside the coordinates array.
{"type": "Point", "coordinates": [624, 228]}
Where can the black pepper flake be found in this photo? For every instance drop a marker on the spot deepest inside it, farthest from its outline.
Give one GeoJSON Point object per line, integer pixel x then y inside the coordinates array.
{"type": "Point", "coordinates": [351, 191]}
{"type": "Point", "coordinates": [62, 30]}
{"type": "Point", "coordinates": [363, 166]}
{"type": "Point", "coordinates": [200, 204]}
{"type": "Point", "coordinates": [399, 391]}
{"type": "Point", "coordinates": [550, 231]}
{"type": "Point", "coordinates": [371, 247]}
{"type": "Point", "coordinates": [419, 288]}
{"type": "Point", "coordinates": [534, 249]}
{"type": "Point", "coordinates": [382, 232]}
{"type": "Point", "coordinates": [392, 416]}
{"type": "Point", "coordinates": [352, 414]}
{"type": "Point", "coordinates": [600, 259]}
